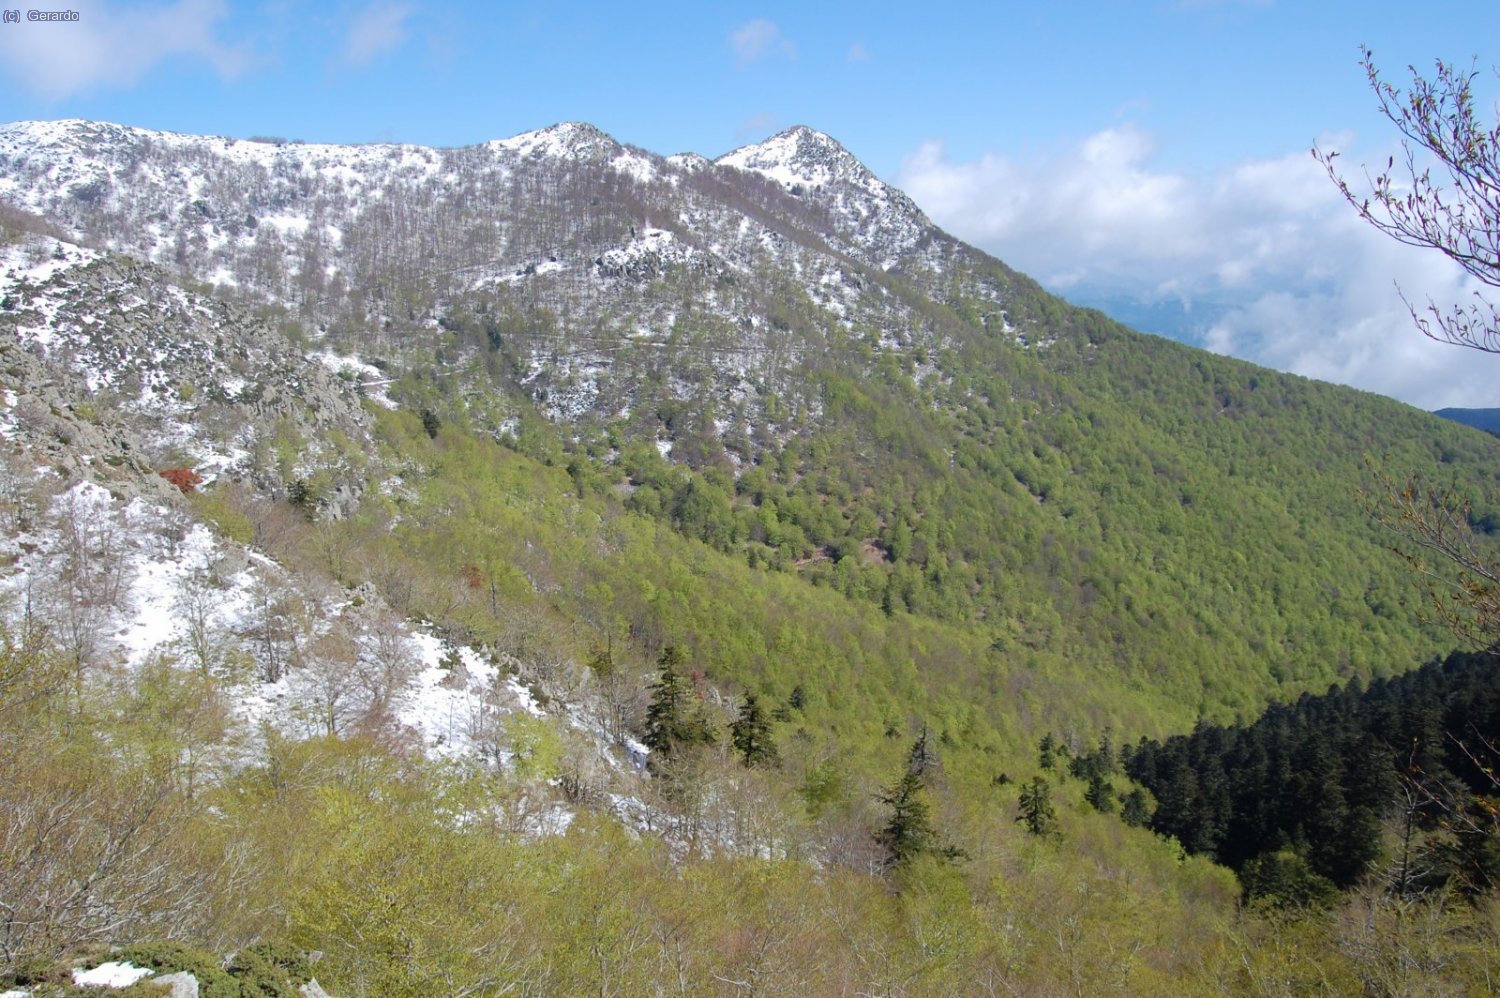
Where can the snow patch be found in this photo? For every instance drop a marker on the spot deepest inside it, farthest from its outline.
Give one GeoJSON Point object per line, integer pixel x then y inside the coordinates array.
{"type": "Point", "coordinates": [370, 380]}
{"type": "Point", "coordinates": [115, 974]}
{"type": "Point", "coordinates": [640, 168]}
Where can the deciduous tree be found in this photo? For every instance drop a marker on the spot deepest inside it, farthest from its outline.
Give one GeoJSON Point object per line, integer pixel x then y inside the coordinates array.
{"type": "Point", "coordinates": [1442, 194]}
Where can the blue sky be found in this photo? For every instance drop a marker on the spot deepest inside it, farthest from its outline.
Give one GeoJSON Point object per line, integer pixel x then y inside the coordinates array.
{"type": "Point", "coordinates": [1149, 154]}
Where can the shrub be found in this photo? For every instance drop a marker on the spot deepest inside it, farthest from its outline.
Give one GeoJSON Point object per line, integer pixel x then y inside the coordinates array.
{"type": "Point", "coordinates": [186, 479]}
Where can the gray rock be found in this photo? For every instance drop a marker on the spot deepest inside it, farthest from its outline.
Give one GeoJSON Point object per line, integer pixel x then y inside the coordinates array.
{"type": "Point", "coordinates": [180, 985]}
{"type": "Point", "coordinates": [114, 372]}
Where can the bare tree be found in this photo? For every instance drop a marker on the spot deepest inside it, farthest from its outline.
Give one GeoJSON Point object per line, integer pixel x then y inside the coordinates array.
{"type": "Point", "coordinates": [1468, 810]}
{"type": "Point", "coordinates": [95, 843]}
{"type": "Point", "coordinates": [195, 603]}
{"type": "Point", "coordinates": [1435, 523]}
{"type": "Point", "coordinates": [1456, 210]}
{"type": "Point", "coordinates": [275, 627]}
{"type": "Point", "coordinates": [1442, 194]}
{"type": "Point", "coordinates": [351, 674]}
{"type": "Point", "coordinates": [329, 685]}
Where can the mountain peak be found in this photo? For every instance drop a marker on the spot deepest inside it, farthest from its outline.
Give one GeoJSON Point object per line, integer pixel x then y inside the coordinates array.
{"type": "Point", "coordinates": [803, 156]}
{"type": "Point", "coordinates": [566, 140]}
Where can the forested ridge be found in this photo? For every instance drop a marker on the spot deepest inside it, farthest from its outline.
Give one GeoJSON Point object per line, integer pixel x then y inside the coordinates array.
{"type": "Point", "coordinates": [895, 836]}
{"type": "Point", "coordinates": [1329, 777]}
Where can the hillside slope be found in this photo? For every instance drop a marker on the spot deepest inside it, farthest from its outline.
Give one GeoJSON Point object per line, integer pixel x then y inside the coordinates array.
{"type": "Point", "coordinates": [492, 439]}
{"type": "Point", "coordinates": [828, 385]}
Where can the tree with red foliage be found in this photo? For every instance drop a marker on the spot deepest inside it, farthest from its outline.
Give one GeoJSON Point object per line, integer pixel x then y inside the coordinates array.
{"type": "Point", "coordinates": [186, 479]}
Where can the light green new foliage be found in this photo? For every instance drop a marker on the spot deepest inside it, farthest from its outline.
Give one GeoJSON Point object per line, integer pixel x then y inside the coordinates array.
{"type": "Point", "coordinates": [536, 750]}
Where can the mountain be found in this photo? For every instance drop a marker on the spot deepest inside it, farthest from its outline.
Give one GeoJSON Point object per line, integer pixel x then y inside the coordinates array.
{"type": "Point", "coordinates": [778, 354]}
{"type": "Point", "coordinates": [115, 371]}
{"type": "Point", "coordinates": [373, 238]}
{"type": "Point", "coordinates": [1481, 419]}
{"type": "Point", "coordinates": [402, 546]}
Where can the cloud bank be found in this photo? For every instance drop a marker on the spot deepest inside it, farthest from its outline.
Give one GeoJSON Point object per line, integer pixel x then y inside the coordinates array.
{"type": "Point", "coordinates": [1310, 288]}
{"type": "Point", "coordinates": [112, 45]}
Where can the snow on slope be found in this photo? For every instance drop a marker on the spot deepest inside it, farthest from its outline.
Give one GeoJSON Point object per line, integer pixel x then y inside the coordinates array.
{"type": "Point", "coordinates": [124, 368]}
{"type": "Point", "coordinates": [802, 155]}
{"type": "Point", "coordinates": [135, 582]}
{"type": "Point", "coordinates": [672, 263]}
{"type": "Point", "coordinates": [36, 261]}
{"type": "Point", "coordinates": [882, 218]}
{"type": "Point", "coordinates": [371, 380]}
{"type": "Point", "coordinates": [230, 200]}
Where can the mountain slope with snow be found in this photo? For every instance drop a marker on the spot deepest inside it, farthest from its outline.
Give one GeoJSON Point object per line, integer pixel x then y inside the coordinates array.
{"type": "Point", "coordinates": [396, 498]}
{"type": "Point", "coordinates": [775, 353]}
{"type": "Point", "coordinates": [676, 263]}
{"type": "Point", "coordinates": [112, 364]}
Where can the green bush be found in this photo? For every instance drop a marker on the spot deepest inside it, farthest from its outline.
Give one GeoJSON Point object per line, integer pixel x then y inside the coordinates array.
{"type": "Point", "coordinates": [169, 958]}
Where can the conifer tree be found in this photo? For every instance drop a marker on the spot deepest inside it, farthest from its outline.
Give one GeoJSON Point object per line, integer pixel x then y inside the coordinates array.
{"type": "Point", "coordinates": [1045, 750]}
{"type": "Point", "coordinates": [668, 726]}
{"type": "Point", "coordinates": [1134, 810]}
{"type": "Point", "coordinates": [922, 760]}
{"type": "Point", "coordinates": [1100, 794]}
{"type": "Point", "coordinates": [1036, 807]}
{"type": "Point", "coordinates": [908, 833]}
{"type": "Point", "coordinates": [751, 734]}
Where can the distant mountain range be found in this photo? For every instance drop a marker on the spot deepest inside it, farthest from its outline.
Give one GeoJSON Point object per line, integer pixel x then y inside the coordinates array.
{"type": "Point", "coordinates": [1481, 419]}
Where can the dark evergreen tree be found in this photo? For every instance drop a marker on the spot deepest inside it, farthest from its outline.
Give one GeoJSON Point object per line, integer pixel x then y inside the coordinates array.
{"type": "Point", "coordinates": [751, 734]}
{"type": "Point", "coordinates": [922, 760]}
{"type": "Point", "coordinates": [669, 726]}
{"type": "Point", "coordinates": [1134, 810]}
{"type": "Point", "coordinates": [1036, 807]}
{"type": "Point", "coordinates": [1045, 751]}
{"type": "Point", "coordinates": [1100, 794]}
{"type": "Point", "coordinates": [1312, 779]}
{"type": "Point", "coordinates": [1283, 879]}
{"type": "Point", "coordinates": [908, 832]}
{"type": "Point", "coordinates": [300, 494]}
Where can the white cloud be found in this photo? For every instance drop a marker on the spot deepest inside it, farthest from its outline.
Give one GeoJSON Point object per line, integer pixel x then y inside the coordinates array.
{"type": "Point", "coordinates": [377, 29]}
{"type": "Point", "coordinates": [858, 52]}
{"type": "Point", "coordinates": [1309, 287]}
{"type": "Point", "coordinates": [115, 46]}
{"type": "Point", "coordinates": [758, 39]}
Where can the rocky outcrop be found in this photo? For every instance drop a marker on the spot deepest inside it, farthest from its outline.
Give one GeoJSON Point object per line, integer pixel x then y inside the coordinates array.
{"type": "Point", "coordinates": [112, 371]}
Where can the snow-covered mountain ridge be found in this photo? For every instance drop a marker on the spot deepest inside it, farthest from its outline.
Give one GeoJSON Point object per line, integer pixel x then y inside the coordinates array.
{"type": "Point", "coordinates": [76, 169]}
{"type": "Point", "coordinates": [718, 276]}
